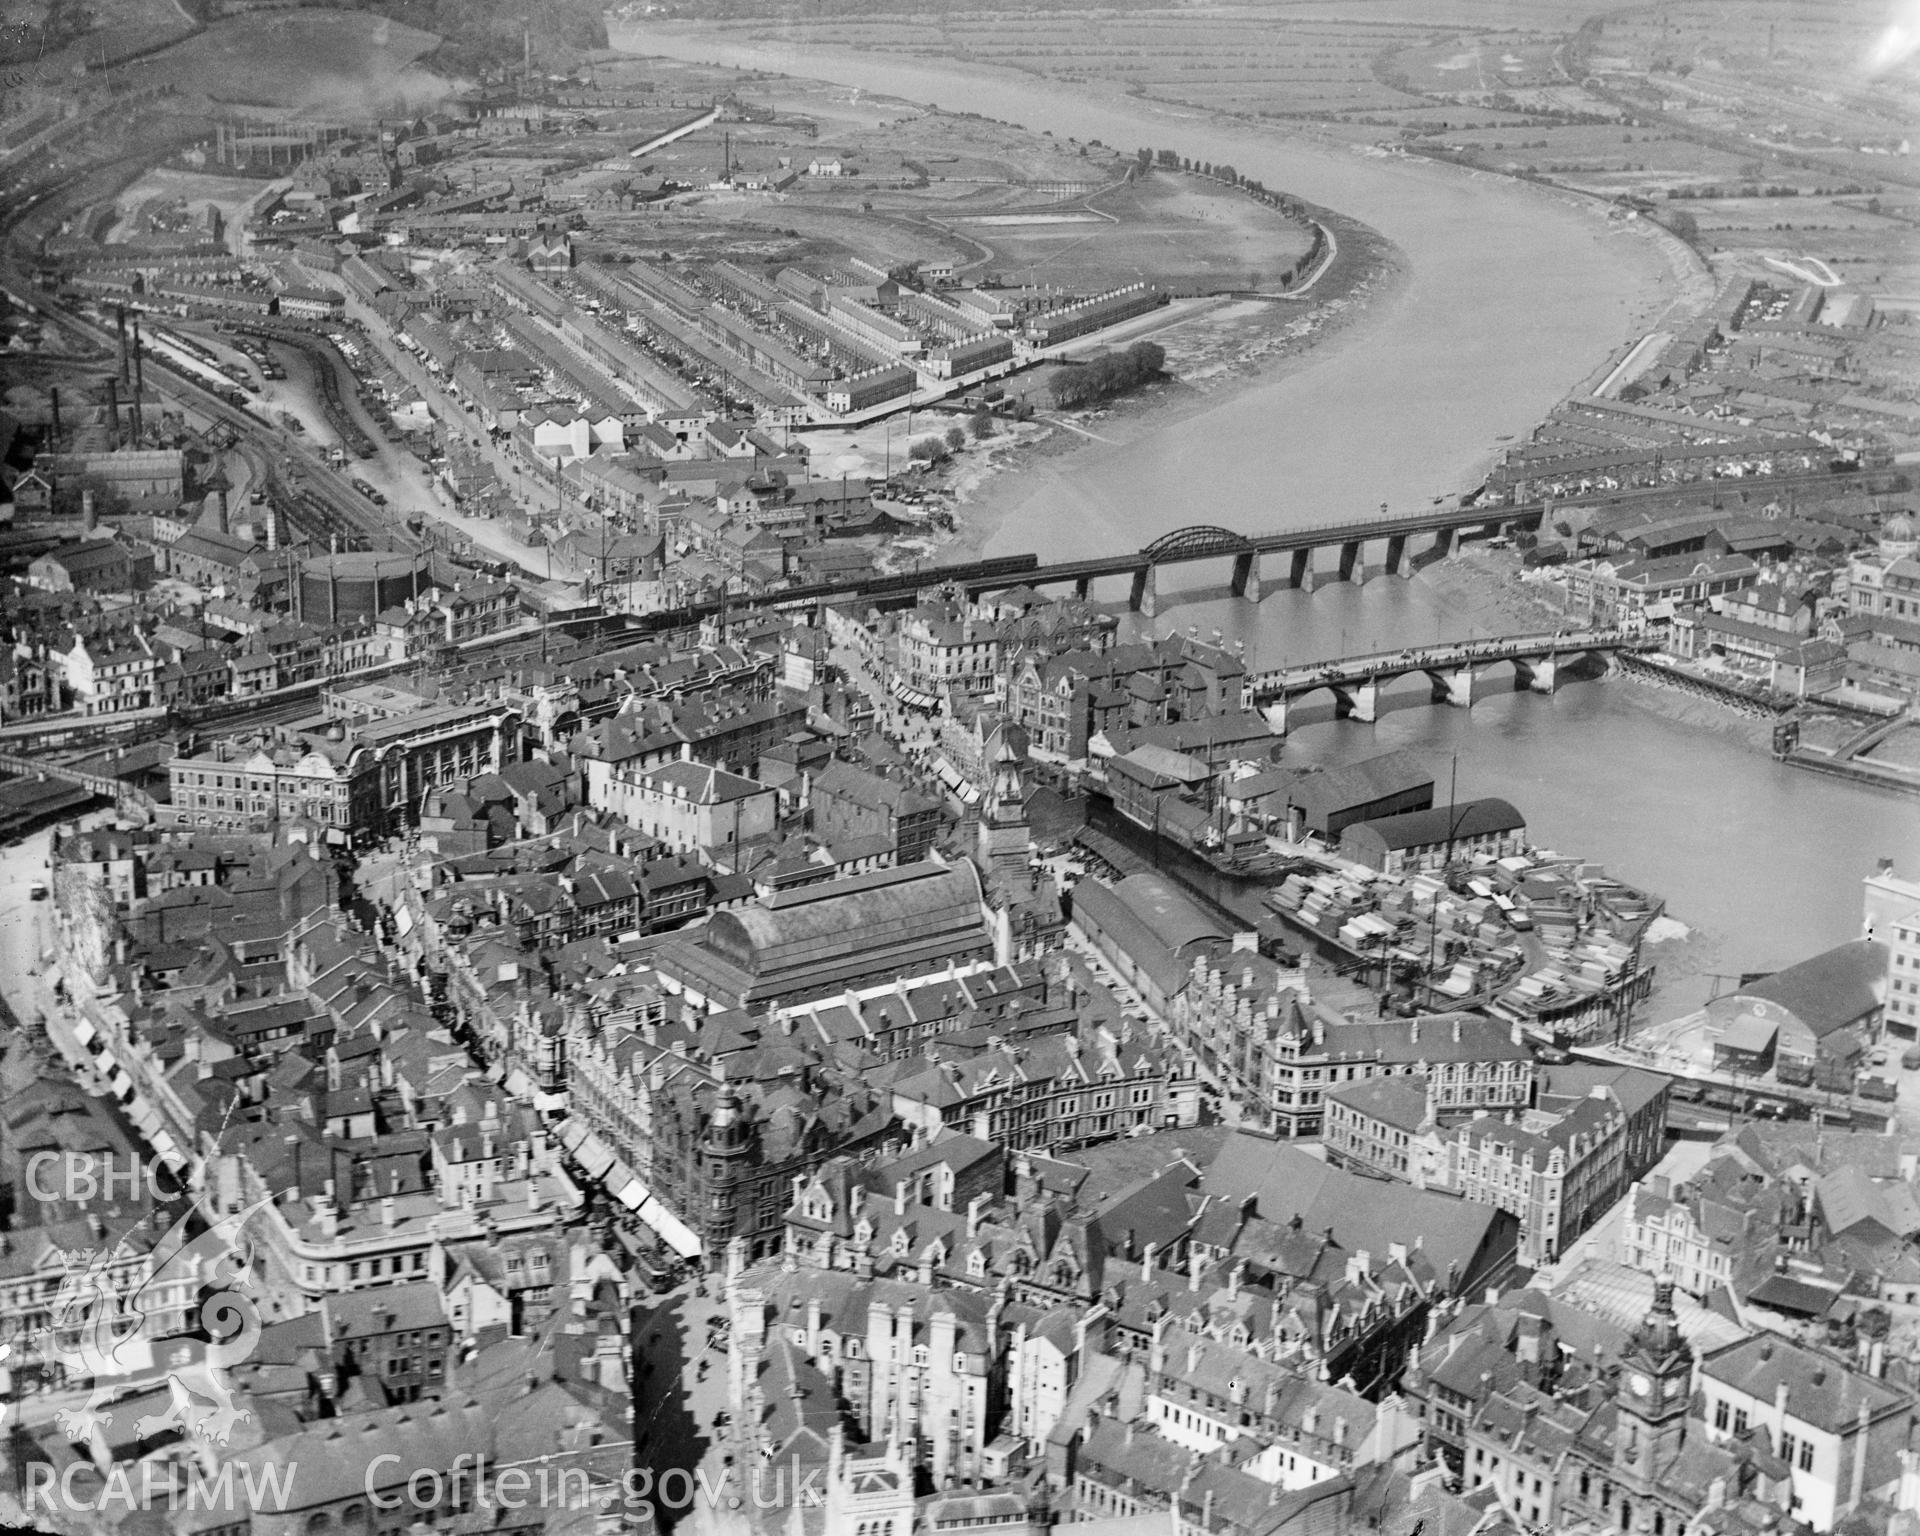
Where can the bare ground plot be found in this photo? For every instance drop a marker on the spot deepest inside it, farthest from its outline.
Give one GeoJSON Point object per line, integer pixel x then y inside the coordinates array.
{"type": "Point", "coordinates": [1480, 66]}
{"type": "Point", "coordinates": [739, 227]}
{"type": "Point", "coordinates": [957, 156]}
{"type": "Point", "coordinates": [1187, 233]}
{"type": "Point", "coordinates": [340, 63]}
{"type": "Point", "coordinates": [1901, 748]}
{"type": "Point", "coordinates": [1877, 254]}
{"type": "Point", "coordinates": [230, 194]}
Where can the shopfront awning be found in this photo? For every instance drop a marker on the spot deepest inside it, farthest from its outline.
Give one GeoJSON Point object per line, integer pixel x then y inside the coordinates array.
{"type": "Point", "coordinates": [594, 1156]}
{"type": "Point", "coordinates": [958, 784]}
{"type": "Point", "coordinates": [624, 1185]}
{"type": "Point", "coordinates": [677, 1234]}
{"type": "Point", "coordinates": [912, 697]}
{"type": "Point", "coordinates": [169, 1151]}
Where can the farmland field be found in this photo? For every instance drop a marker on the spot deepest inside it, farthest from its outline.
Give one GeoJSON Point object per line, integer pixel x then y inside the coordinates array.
{"type": "Point", "coordinates": [341, 63]}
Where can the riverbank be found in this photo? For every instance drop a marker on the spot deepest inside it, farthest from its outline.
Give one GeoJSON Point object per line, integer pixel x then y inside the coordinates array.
{"type": "Point", "coordinates": [1507, 296]}
{"type": "Point", "coordinates": [1239, 345]}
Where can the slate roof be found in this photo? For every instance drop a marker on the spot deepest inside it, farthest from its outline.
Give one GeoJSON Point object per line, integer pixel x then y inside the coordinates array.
{"type": "Point", "coordinates": [1831, 990]}
{"type": "Point", "coordinates": [1363, 1214]}
{"type": "Point", "coordinates": [1419, 829]}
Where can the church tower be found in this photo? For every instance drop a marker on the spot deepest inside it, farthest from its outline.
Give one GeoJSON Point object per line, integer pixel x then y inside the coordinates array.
{"type": "Point", "coordinates": [1656, 1383]}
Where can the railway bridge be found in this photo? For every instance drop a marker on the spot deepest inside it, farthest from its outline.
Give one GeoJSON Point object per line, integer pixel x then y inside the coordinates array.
{"type": "Point", "coordinates": [1323, 553]}
{"type": "Point", "coordinates": [1457, 671]}
{"type": "Point", "coordinates": [131, 801]}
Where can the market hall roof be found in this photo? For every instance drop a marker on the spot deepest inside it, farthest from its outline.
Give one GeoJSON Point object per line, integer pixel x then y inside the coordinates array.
{"type": "Point", "coordinates": [820, 939]}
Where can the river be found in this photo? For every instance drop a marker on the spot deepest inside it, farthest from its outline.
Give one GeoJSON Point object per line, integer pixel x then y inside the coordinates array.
{"type": "Point", "coordinates": [1513, 297]}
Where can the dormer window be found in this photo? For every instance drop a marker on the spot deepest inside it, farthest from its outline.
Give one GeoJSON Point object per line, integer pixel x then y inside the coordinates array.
{"type": "Point", "coordinates": [853, 1349]}
{"type": "Point", "coordinates": [976, 1263]}
{"type": "Point", "coordinates": [900, 1242]}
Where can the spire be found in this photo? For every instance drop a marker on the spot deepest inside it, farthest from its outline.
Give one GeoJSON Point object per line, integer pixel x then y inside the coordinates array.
{"type": "Point", "coordinates": [1659, 1338]}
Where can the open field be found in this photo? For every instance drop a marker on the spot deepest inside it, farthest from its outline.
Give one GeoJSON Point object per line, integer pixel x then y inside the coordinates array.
{"type": "Point", "coordinates": [1189, 234]}
{"type": "Point", "coordinates": [339, 63]}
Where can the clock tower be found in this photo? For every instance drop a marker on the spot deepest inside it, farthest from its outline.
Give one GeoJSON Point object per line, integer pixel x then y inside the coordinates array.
{"type": "Point", "coordinates": [1655, 1386]}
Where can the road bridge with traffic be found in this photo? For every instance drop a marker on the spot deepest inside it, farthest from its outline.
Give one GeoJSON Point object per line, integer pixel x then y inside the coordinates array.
{"type": "Point", "coordinates": [1459, 671]}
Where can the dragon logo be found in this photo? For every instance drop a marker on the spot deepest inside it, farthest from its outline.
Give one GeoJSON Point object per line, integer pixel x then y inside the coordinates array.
{"type": "Point", "coordinates": [113, 1298]}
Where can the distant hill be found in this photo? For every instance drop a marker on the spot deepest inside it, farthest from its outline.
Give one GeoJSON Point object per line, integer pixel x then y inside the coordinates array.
{"type": "Point", "coordinates": [487, 34]}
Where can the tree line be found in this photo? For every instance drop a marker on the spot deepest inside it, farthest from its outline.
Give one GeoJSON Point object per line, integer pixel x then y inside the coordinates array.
{"type": "Point", "coordinates": [1108, 374]}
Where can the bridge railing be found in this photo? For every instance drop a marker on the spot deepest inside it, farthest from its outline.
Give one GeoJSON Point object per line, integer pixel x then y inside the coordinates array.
{"type": "Point", "coordinates": [1384, 528]}
{"type": "Point", "coordinates": [1410, 659]}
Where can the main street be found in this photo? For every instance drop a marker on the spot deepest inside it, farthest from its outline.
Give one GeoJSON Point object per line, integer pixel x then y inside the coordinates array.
{"type": "Point", "coordinates": [25, 932]}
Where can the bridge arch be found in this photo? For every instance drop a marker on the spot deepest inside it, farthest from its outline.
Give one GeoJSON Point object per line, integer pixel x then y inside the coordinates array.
{"type": "Point", "coordinates": [1197, 541]}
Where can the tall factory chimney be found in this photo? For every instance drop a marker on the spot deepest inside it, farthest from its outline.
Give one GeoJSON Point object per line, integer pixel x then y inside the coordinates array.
{"type": "Point", "coordinates": [55, 394]}
{"type": "Point", "coordinates": [526, 50]}
{"type": "Point", "coordinates": [113, 412]}
{"type": "Point", "coordinates": [89, 519]}
{"type": "Point", "coordinates": [139, 386]}
{"type": "Point", "coordinates": [120, 324]}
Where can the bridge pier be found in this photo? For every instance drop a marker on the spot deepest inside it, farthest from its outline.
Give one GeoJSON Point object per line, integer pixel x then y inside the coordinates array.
{"type": "Point", "coordinates": [1352, 566]}
{"type": "Point", "coordinates": [1246, 575]}
{"type": "Point", "coordinates": [1145, 598]}
{"type": "Point", "coordinates": [1275, 714]}
{"type": "Point", "coordinates": [1441, 547]}
{"type": "Point", "coordinates": [1083, 588]}
{"type": "Point", "coordinates": [1362, 703]}
{"type": "Point", "coordinates": [1300, 570]}
{"type": "Point", "coordinates": [1455, 687]}
{"type": "Point", "coordinates": [1539, 673]}
{"type": "Point", "coordinates": [1397, 555]}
